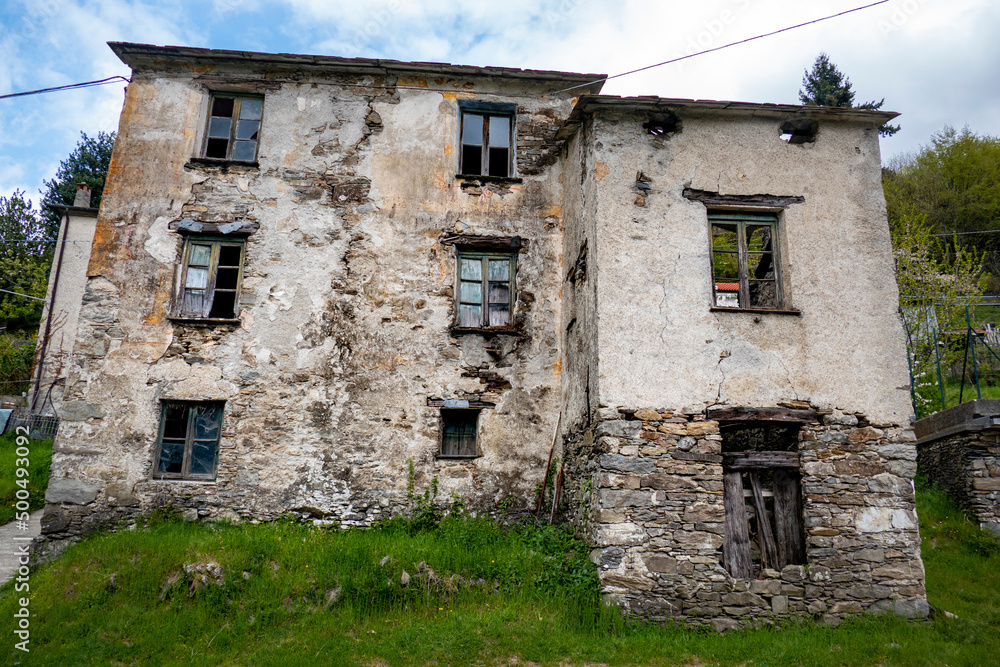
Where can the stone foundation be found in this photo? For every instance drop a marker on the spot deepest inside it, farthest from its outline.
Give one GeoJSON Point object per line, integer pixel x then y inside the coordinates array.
{"type": "Point", "coordinates": [648, 488]}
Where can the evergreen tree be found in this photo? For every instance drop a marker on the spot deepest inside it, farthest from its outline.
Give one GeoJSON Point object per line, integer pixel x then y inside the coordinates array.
{"type": "Point", "coordinates": [827, 86]}
{"type": "Point", "coordinates": [88, 163]}
{"type": "Point", "coordinates": [25, 257]}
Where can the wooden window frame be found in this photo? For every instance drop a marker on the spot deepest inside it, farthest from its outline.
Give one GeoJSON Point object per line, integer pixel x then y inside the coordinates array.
{"type": "Point", "coordinates": [742, 220]}
{"type": "Point", "coordinates": [485, 257]}
{"type": "Point", "coordinates": [486, 112]}
{"type": "Point", "coordinates": [210, 289]}
{"type": "Point", "coordinates": [454, 412]}
{"type": "Point", "coordinates": [189, 441]}
{"type": "Point", "coordinates": [238, 99]}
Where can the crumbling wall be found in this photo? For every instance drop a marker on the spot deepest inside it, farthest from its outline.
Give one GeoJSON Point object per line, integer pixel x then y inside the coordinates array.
{"type": "Point", "coordinates": [653, 509]}
{"type": "Point", "coordinates": [344, 347]}
{"type": "Point", "coordinates": [967, 466]}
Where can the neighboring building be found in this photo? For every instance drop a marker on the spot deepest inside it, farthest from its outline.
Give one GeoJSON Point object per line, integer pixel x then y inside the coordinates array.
{"type": "Point", "coordinates": [311, 273]}
{"type": "Point", "coordinates": [959, 449]}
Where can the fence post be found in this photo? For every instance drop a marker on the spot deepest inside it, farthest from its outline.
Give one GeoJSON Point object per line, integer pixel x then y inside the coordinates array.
{"type": "Point", "coordinates": [937, 357]}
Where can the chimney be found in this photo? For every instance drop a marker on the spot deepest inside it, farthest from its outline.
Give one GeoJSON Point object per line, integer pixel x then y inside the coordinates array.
{"type": "Point", "coordinates": [82, 199]}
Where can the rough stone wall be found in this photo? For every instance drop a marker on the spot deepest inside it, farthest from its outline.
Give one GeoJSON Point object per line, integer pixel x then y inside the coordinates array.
{"type": "Point", "coordinates": [647, 490]}
{"type": "Point", "coordinates": [967, 466]}
{"type": "Point", "coordinates": [346, 302]}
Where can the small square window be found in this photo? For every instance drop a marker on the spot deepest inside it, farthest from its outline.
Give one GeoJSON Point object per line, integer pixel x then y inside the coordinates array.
{"type": "Point", "coordinates": [210, 285]}
{"type": "Point", "coordinates": [459, 432]}
{"type": "Point", "coordinates": [487, 139]}
{"type": "Point", "coordinates": [745, 266]}
{"type": "Point", "coordinates": [188, 443]}
{"type": "Point", "coordinates": [484, 294]}
{"type": "Point", "coordinates": [233, 127]}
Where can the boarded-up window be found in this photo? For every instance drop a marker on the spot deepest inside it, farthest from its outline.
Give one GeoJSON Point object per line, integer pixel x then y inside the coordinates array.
{"type": "Point", "coordinates": [459, 430]}
{"type": "Point", "coordinates": [762, 498]}
{"type": "Point", "coordinates": [745, 260]}
{"type": "Point", "coordinates": [211, 282]}
{"type": "Point", "coordinates": [234, 127]}
{"type": "Point", "coordinates": [485, 289]}
{"type": "Point", "coordinates": [188, 443]}
{"type": "Point", "coordinates": [487, 140]}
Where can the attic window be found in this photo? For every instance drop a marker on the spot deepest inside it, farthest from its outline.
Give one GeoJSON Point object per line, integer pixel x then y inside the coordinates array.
{"type": "Point", "coordinates": [799, 131]}
{"type": "Point", "coordinates": [662, 124]}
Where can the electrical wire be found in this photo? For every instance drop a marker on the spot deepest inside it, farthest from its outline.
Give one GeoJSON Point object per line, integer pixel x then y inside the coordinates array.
{"type": "Point", "coordinates": [71, 86]}
{"type": "Point", "coordinates": [26, 296]}
{"type": "Point", "coordinates": [724, 46]}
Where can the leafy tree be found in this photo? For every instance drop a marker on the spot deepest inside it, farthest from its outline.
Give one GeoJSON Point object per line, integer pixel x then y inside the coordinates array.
{"type": "Point", "coordinates": [827, 86]}
{"type": "Point", "coordinates": [24, 263]}
{"type": "Point", "coordinates": [88, 163]}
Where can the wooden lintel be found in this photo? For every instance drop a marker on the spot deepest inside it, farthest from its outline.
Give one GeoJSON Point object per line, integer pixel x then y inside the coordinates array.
{"type": "Point", "coordinates": [744, 414]}
{"type": "Point", "coordinates": [235, 228]}
{"type": "Point", "coordinates": [758, 460]}
{"type": "Point", "coordinates": [775, 201]}
{"type": "Point", "coordinates": [484, 242]}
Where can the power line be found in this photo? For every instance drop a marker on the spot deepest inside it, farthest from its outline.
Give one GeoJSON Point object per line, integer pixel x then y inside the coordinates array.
{"type": "Point", "coordinates": [724, 46]}
{"type": "Point", "coordinates": [71, 86]}
{"type": "Point", "coordinates": [985, 231]}
{"type": "Point", "coordinates": [26, 296]}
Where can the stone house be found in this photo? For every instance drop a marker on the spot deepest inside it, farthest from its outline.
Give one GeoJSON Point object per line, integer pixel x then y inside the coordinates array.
{"type": "Point", "coordinates": [315, 281]}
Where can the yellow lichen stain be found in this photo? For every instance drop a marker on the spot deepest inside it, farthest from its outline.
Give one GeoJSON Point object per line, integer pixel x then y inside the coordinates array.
{"type": "Point", "coordinates": [159, 312]}
{"type": "Point", "coordinates": [601, 170]}
{"type": "Point", "coordinates": [554, 211]}
{"type": "Point", "coordinates": [468, 85]}
{"type": "Point", "coordinates": [439, 82]}
{"type": "Point", "coordinates": [449, 150]}
{"type": "Point", "coordinates": [417, 81]}
{"type": "Point", "coordinates": [557, 367]}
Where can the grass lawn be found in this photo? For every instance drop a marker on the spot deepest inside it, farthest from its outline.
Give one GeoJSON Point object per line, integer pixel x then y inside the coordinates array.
{"type": "Point", "coordinates": [37, 479]}
{"type": "Point", "coordinates": [296, 595]}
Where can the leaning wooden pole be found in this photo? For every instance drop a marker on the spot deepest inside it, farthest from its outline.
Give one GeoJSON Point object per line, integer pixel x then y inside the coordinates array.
{"type": "Point", "coordinates": [545, 474]}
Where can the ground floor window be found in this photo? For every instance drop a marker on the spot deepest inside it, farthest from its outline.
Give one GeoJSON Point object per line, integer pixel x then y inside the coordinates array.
{"type": "Point", "coordinates": [188, 443]}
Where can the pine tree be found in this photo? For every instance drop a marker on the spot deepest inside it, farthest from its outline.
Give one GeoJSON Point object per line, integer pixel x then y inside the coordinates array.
{"type": "Point", "coordinates": [88, 163]}
{"type": "Point", "coordinates": [827, 86]}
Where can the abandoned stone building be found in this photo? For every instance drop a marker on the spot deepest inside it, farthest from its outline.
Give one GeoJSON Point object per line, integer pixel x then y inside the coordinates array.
{"type": "Point", "coordinates": [311, 275]}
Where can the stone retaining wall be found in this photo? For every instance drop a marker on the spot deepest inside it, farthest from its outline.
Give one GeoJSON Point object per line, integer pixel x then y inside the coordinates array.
{"type": "Point", "coordinates": [647, 491]}
{"type": "Point", "coordinates": [967, 466]}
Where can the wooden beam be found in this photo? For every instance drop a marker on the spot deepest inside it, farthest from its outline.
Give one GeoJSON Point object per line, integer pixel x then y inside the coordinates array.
{"type": "Point", "coordinates": [743, 414]}
{"type": "Point", "coordinates": [503, 243]}
{"type": "Point", "coordinates": [770, 201]}
{"type": "Point", "coordinates": [768, 550]}
{"type": "Point", "coordinates": [736, 548]}
{"type": "Point", "coordinates": [759, 460]}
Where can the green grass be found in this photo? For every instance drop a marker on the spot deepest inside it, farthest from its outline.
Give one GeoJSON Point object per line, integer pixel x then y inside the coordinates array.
{"type": "Point", "coordinates": [38, 460]}
{"type": "Point", "coordinates": [105, 602]}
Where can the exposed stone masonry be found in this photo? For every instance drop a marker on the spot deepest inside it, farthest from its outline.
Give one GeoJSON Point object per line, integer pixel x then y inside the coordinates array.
{"type": "Point", "coordinates": [648, 492]}
{"type": "Point", "coordinates": [967, 466]}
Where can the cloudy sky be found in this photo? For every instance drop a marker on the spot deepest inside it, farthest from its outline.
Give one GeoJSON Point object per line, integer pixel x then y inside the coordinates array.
{"type": "Point", "coordinates": [935, 61]}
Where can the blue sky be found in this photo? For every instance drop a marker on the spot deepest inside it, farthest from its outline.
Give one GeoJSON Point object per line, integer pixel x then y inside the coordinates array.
{"type": "Point", "coordinates": [936, 61]}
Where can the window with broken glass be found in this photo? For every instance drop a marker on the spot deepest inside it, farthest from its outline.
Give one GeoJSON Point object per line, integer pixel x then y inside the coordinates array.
{"type": "Point", "coordinates": [762, 498]}
{"type": "Point", "coordinates": [745, 261]}
{"type": "Point", "coordinates": [211, 281]}
{"type": "Point", "coordinates": [234, 127]}
{"type": "Point", "coordinates": [188, 442]}
{"type": "Point", "coordinates": [485, 294]}
{"type": "Point", "coordinates": [459, 430]}
{"type": "Point", "coordinates": [487, 139]}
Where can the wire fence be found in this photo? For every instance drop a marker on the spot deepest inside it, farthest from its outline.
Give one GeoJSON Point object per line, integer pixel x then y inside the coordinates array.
{"type": "Point", "coordinates": [952, 358]}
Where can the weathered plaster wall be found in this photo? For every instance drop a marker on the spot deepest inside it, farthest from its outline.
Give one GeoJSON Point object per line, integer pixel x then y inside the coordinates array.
{"type": "Point", "coordinates": [663, 345]}
{"type": "Point", "coordinates": [62, 309]}
{"type": "Point", "coordinates": [346, 303]}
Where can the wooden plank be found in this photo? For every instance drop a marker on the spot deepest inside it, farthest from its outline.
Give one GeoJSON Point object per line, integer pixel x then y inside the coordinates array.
{"type": "Point", "coordinates": [744, 414]}
{"type": "Point", "coordinates": [776, 201]}
{"type": "Point", "coordinates": [788, 518]}
{"type": "Point", "coordinates": [736, 548]}
{"type": "Point", "coordinates": [759, 460]}
{"type": "Point", "coordinates": [768, 550]}
{"type": "Point", "coordinates": [483, 242]}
